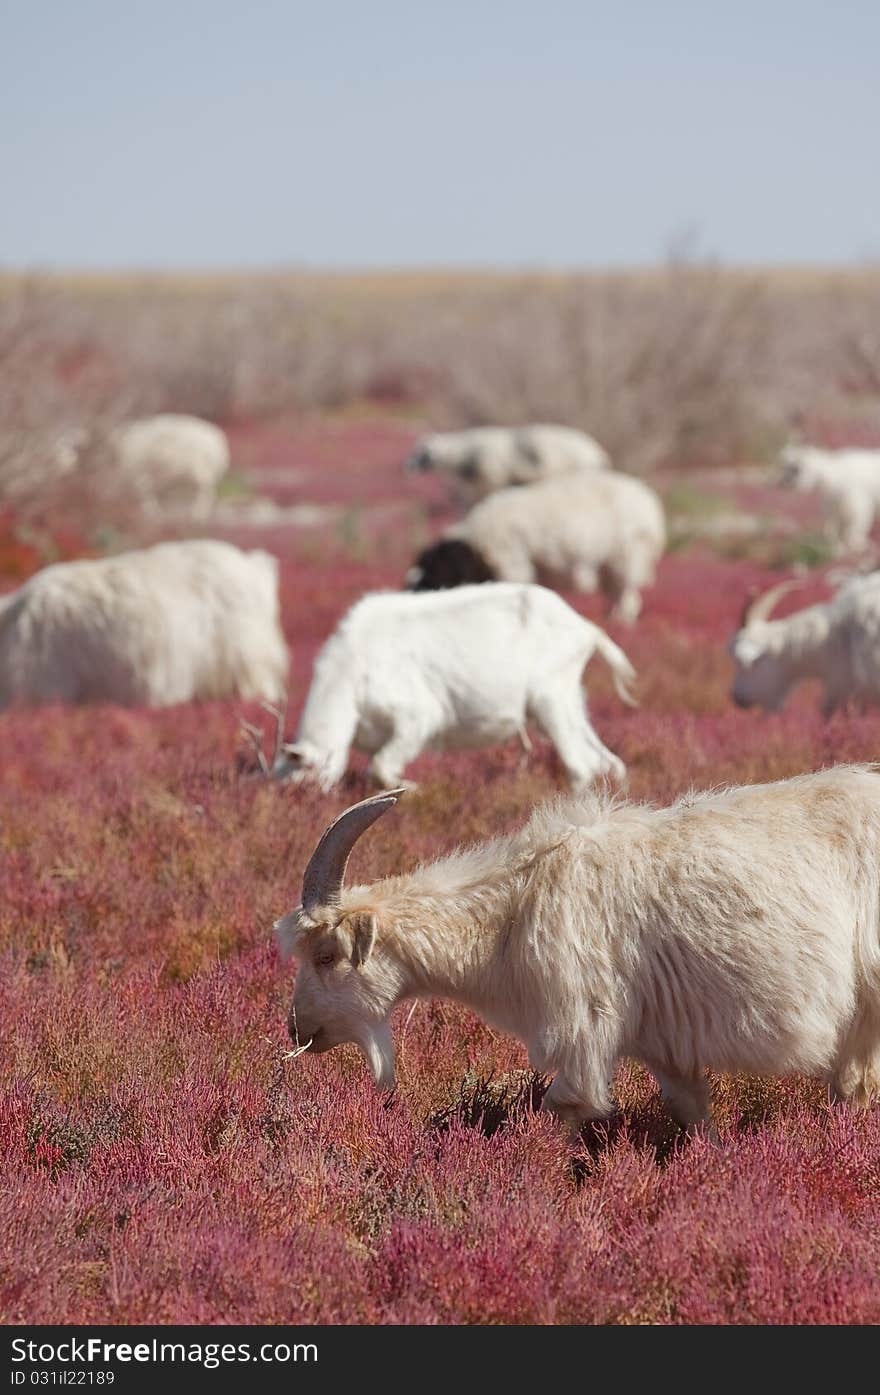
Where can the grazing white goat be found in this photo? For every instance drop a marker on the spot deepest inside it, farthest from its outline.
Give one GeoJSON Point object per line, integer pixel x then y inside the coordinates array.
{"type": "Point", "coordinates": [849, 481]}
{"type": "Point", "coordinates": [837, 642]}
{"type": "Point", "coordinates": [404, 673]}
{"type": "Point", "coordinates": [181, 620]}
{"type": "Point", "coordinates": [737, 930]}
{"type": "Point", "coordinates": [589, 531]}
{"type": "Point", "coordinates": [486, 458]}
{"type": "Point", "coordinates": [170, 465]}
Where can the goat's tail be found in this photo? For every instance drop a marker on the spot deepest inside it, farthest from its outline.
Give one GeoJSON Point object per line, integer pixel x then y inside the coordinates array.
{"type": "Point", "coordinates": [622, 671]}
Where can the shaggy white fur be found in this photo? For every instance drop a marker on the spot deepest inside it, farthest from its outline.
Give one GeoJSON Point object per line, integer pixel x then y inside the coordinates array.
{"type": "Point", "coordinates": [181, 620]}
{"type": "Point", "coordinates": [590, 531]}
{"type": "Point", "coordinates": [444, 669]}
{"type": "Point", "coordinates": [838, 643]}
{"type": "Point", "coordinates": [485, 458]}
{"type": "Point", "coordinates": [736, 930]}
{"type": "Point", "coordinates": [848, 480]}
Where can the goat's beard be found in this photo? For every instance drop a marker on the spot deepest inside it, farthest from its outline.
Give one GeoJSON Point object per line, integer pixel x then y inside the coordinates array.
{"type": "Point", "coordinates": [378, 1048]}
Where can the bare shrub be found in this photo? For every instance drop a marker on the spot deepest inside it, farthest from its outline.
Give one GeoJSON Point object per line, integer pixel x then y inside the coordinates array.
{"type": "Point", "coordinates": [689, 363]}
{"type": "Point", "coordinates": [659, 367]}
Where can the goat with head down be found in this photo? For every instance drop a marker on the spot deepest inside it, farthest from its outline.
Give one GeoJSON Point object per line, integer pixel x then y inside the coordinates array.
{"type": "Point", "coordinates": [837, 642]}
{"type": "Point", "coordinates": [197, 619]}
{"type": "Point", "coordinates": [589, 530]}
{"type": "Point", "coordinates": [485, 458]}
{"type": "Point", "coordinates": [736, 930]}
{"type": "Point", "coordinates": [449, 670]}
{"type": "Point", "coordinates": [848, 482]}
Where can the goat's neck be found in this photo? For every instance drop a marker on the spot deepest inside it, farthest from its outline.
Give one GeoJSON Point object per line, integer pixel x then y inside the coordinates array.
{"type": "Point", "coordinates": [805, 643]}
{"type": "Point", "coordinates": [448, 945]}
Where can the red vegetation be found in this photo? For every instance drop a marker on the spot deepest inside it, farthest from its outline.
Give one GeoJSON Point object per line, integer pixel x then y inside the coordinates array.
{"type": "Point", "coordinates": [24, 549]}
{"type": "Point", "coordinates": [164, 1162]}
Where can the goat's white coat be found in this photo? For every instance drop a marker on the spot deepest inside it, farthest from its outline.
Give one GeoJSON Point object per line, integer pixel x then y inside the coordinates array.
{"type": "Point", "coordinates": [181, 620]}
{"type": "Point", "coordinates": [589, 530]}
{"type": "Point", "coordinates": [170, 465]}
{"type": "Point", "coordinates": [484, 458]}
{"type": "Point", "coordinates": [848, 480]}
{"type": "Point", "coordinates": [737, 930]}
{"type": "Point", "coordinates": [837, 642]}
{"type": "Point", "coordinates": [176, 461]}
{"type": "Point", "coordinates": [404, 673]}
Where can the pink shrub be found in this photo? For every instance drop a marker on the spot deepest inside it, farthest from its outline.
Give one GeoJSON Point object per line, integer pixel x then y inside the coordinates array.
{"type": "Point", "coordinates": [168, 1162]}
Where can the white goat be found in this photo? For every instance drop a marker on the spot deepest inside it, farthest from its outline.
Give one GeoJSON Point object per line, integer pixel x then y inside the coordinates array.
{"type": "Point", "coordinates": [849, 481]}
{"type": "Point", "coordinates": [588, 531]}
{"type": "Point", "coordinates": [486, 458]}
{"type": "Point", "coordinates": [406, 673]}
{"type": "Point", "coordinates": [837, 642]}
{"type": "Point", "coordinates": [177, 621]}
{"type": "Point", "coordinates": [170, 465]}
{"type": "Point", "coordinates": [737, 930]}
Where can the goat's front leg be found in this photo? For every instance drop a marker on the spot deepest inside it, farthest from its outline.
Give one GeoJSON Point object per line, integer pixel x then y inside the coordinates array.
{"type": "Point", "coordinates": [687, 1099]}
{"type": "Point", "coordinates": [851, 519]}
{"type": "Point", "coordinates": [584, 577]}
{"type": "Point", "coordinates": [577, 1105]}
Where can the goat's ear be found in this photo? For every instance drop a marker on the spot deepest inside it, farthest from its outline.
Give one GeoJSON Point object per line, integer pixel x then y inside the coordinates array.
{"type": "Point", "coordinates": [363, 934]}
{"type": "Point", "coordinates": [288, 932]}
{"type": "Point", "coordinates": [745, 650]}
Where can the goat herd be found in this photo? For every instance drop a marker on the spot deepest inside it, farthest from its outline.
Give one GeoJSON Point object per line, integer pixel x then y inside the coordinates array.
{"type": "Point", "coordinates": [735, 931]}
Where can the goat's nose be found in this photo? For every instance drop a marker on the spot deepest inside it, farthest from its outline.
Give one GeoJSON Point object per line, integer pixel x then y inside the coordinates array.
{"type": "Point", "coordinates": [300, 1033]}
{"type": "Point", "coordinates": [741, 701]}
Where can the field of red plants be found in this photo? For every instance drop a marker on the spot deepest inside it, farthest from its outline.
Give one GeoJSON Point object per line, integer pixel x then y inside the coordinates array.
{"type": "Point", "coordinates": [164, 1161]}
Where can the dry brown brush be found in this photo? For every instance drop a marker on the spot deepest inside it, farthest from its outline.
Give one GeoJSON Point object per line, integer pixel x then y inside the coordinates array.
{"type": "Point", "coordinates": [688, 363]}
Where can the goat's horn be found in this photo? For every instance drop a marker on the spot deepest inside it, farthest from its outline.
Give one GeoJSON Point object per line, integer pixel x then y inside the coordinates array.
{"type": "Point", "coordinates": [760, 607]}
{"type": "Point", "coordinates": [323, 877]}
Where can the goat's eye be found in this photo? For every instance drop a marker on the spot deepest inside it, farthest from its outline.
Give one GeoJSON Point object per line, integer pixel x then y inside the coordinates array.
{"type": "Point", "coordinates": [325, 958]}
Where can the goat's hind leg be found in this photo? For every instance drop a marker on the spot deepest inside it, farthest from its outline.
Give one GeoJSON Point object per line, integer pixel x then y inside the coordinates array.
{"type": "Point", "coordinates": [388, 764]}
{"type": "Point", "coordinates": [856, 1083]}
{"type": "Point", "coordinates": [687, 1099]}
{"type": "Point", "coordinates": [622, 594]}
{"type": "Point", "coordinates": [560, 712]}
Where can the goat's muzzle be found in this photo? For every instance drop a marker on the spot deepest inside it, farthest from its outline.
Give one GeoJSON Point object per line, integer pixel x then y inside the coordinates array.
{"type": "Point", "coordinates": [311, 1040]}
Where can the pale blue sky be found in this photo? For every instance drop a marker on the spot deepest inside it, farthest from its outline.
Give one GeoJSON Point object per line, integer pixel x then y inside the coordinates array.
{"type": "Point", "coordinates": [219, 133]}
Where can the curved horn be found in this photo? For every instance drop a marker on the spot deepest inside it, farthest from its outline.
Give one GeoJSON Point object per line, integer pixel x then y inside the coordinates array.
{"type": "Point", "coordinates": [323, 877]}
{"type": "Point", "coordinates": [759, 607]}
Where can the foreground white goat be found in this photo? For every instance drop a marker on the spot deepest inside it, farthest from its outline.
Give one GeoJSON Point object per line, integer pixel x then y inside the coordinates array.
{"type": "Point", "coordinates": [170, 465]}
{"type": "Point", "coordinates": [735, 930]}
{"type": "Point", "coordinates": [589, 531]}
{"type": "Point", "coordinates": [485, 458]}
{"type": "Point", "coordinates": [403, 673]}
{"type": "Point", "coordinates": [848, 480]}
{"type": "Point", "coordinates": [838, 643]}
{"type": "Point", "coordinates": [177, 621]}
